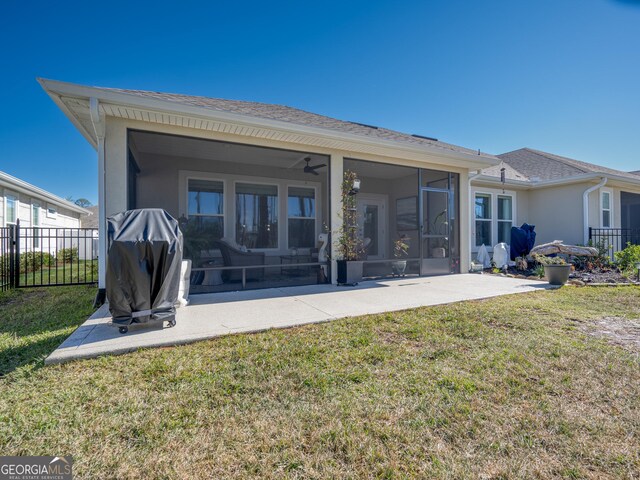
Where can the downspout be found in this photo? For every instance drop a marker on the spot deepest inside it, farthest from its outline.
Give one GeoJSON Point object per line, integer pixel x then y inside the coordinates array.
{"type": "Point", "coordinates": [585, 208]}
{"type": "Point", "coordinates": [471, 215]}
{"type": "Point", "coordinates": [99, 127]}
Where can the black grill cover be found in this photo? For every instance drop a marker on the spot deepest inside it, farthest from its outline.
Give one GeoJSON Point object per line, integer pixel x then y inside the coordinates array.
{"type": "Point", "coordinates": [143, 266]}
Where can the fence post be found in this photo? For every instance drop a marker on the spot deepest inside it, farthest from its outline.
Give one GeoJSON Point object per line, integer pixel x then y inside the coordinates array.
{"type": "Point", "coordinates": [590, 235]}
{"type": "Point", "coordinates": [17, 255]}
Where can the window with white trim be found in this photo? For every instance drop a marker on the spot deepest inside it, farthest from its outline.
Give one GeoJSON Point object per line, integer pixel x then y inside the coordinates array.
{"type": "Point", "coordinates": [483, 219]}
{"type": "Point", "coordinates": [11, 209]}
{"type": "Point", "coordinates": [301, 217]}
{"type": "Point", "coordinates": [505, 218]}
{"type": "Point", "coordinates": [605, 207]}
{"type": "Point", "coordinates": [205, 207]}
{"type": "Point", "coordinates": [35, 223]}
{"type": "Point", "coordinates": [52, 212]}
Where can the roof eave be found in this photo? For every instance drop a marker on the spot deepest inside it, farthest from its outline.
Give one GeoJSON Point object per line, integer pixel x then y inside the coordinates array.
{"type": "Point", "coordinates": [29, 189]}
{"type": "Point", "coordinates": [56, 88]}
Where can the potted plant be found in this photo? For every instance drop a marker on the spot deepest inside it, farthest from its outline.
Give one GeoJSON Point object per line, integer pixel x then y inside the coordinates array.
{"type": "Point", "coordinates": [348, 244]}
{"type": "Point", "coordinates": [556, 269]}
{"type": "Point", "coordinates": [400, 249]}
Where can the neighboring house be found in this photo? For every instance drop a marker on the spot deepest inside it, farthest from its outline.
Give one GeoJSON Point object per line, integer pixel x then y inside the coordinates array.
{"type": "Point", "coordinates": [562, 197]}
{"type": "Point", "coordinates": [255, 184]}
{"type": "Point", "coordinates": [37, 210]}
{"type": "Point", "coordinates": [35, 207]}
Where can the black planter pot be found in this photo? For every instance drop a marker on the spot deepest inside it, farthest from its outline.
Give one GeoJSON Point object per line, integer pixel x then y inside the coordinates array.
{"type": "Point", "coordinates": [349, 272]}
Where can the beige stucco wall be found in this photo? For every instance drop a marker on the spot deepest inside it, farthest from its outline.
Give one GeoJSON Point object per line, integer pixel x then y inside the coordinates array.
{"type": "Point", "coordinates": [557, 213]}
{"type": "Point", "coordinates": [116, 170]}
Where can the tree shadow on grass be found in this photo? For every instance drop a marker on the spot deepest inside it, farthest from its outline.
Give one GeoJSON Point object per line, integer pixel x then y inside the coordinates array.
{"type": "Point", "coordinates": [32, 353]}
{"type": "Point", "coordinates": [37, 318]}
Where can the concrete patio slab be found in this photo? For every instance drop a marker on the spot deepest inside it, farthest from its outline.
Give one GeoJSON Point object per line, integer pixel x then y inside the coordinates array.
{"type": "Point", "coordinates": [214, 315]}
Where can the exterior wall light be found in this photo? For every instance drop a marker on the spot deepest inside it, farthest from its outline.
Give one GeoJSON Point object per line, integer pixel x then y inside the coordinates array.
{"type": "Point", "coordinates": [356, 186]}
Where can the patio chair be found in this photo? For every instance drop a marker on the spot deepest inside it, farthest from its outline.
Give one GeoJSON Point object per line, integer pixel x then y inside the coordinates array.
{"type": "Point", "coordinates": [234, 257]}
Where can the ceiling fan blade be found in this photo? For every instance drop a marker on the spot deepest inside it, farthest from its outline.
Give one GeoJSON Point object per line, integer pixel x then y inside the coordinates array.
{"type": "Point", "coordinates": [319, 166]}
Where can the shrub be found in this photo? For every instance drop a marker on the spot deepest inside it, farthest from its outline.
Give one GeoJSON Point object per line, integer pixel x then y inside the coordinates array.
{"type": "Point", "coordinates": [544, 260]}
{"type": "Point", "coordinates": [628, 258]}
{"type": "Point", "coordinates": [68, 255]}
{"type": "Point", "coordinates": [32, 261]}
{"type": "Point", "coordinates": [600, 261]}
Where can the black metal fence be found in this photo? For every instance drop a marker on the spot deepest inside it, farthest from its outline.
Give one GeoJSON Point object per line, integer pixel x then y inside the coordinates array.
{"type": "Point", "coordinates": [45, 256]}
{"type": "Point", "coordinates": [614, 239]}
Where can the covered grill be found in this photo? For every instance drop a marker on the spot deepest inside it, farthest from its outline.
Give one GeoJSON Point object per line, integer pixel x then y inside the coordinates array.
{"type": "Point", "coordinates": [143, 267]}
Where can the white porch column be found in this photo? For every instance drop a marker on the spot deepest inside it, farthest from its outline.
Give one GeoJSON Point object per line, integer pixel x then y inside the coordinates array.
{"type": "Point", "coordinates": [336, 163]}
{"type": "Point", "coordinates": [465, 222]}
{"type": "Point", "coordinates": [98, 122]}
{"type": "Point", "coordinates": [112, 187]}
{"type": "Point", "coordinates": [115, 167]}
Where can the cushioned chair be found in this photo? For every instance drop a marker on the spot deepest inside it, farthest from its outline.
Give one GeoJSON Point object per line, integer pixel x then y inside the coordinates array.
{"type": "Point", "coordinates": [234, 257]}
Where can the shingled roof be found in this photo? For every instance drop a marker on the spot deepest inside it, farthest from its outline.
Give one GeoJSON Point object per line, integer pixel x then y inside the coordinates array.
{"type": "Point", "coordinates": [534, 165]}
{"type": "Point", "coordinates": [296, 116]}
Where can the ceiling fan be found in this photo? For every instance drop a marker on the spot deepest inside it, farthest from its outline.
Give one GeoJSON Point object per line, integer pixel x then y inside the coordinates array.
{"type": "Point", "coordinates": [312, 168]}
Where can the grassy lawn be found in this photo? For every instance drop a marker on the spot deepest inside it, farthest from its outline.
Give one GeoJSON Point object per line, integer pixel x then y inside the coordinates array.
{"type": "Point", "coordinates": [76, 272]}
{"type": "Point", "coordinates": [502, 388]}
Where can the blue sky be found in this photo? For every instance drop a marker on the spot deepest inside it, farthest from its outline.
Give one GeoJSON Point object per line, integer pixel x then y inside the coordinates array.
{"type": "Point", "coordinates": [557, 75]}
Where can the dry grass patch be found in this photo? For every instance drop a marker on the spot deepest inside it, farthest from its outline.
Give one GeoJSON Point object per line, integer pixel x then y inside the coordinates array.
{"type": "Point", "coordinates": [502, 388]}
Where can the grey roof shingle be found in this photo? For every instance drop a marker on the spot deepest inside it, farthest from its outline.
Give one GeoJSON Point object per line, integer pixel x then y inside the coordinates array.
{"type": "Point", "coordinates": [295, 116]}
{"type": "Point", "coordinates": [90, 221]}
{"type": "Point", "coordinates": [536, 165]}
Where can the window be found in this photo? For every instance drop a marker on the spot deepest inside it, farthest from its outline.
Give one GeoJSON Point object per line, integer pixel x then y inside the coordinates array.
{"type": "Point", "coordinates": [301, 211]}
{"type": "Point", "coordinates": [606, 209]}
{"type": "Point", "coordinates": [52, 211]}
{"type": "Point", "coordinates": [505, 218]}
{"type": "Point", "coordinates": [205, 207]}
{"type": "Point", "coordinates": [483, 219]}
{"type": "Point", "coordinates": [35, 223]}
{"type": "Point", "coordinates": [11, 209]}
{"type": "Point", "coordinates": [257, 215]}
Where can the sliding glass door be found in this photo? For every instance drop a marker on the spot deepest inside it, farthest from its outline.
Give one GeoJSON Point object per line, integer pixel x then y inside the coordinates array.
{"type": "Point", "coordinates": [436, 232]}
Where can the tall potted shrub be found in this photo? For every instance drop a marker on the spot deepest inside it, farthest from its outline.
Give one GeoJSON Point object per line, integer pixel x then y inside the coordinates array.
{"type": "Point", "coordinates": [348, 244]}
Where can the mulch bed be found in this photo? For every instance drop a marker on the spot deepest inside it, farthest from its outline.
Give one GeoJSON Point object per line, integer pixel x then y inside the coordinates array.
{"type": "Point", "coordinates": [578, 277]}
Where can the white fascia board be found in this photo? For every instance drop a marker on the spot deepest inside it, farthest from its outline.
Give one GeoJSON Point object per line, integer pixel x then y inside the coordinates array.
{"type": "Point", "coordinates": [89, 136]}
{"type": "Point", "coordinates": [559, 181]}
{"type": "Point", "coordinates": [31, 190]}
{"type": "Point", "coordinates": [164, 106]}
{"type": "Point", "coordinates": [496, 181]}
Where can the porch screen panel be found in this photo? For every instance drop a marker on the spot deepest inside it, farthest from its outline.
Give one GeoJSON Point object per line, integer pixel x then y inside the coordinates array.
{"type": "Point", "coordinates": [206, 216]}
{"type": "Point", "coordinates": [257, 215]}
{"type": "Point", "coordinates": [483, 220]}
{"type": "Point", "coordinates": [301, 211]}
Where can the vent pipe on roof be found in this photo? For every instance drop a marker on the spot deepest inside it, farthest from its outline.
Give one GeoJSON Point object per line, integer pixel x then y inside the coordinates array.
{"type": "Point", "coordinates": [585, 208]}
